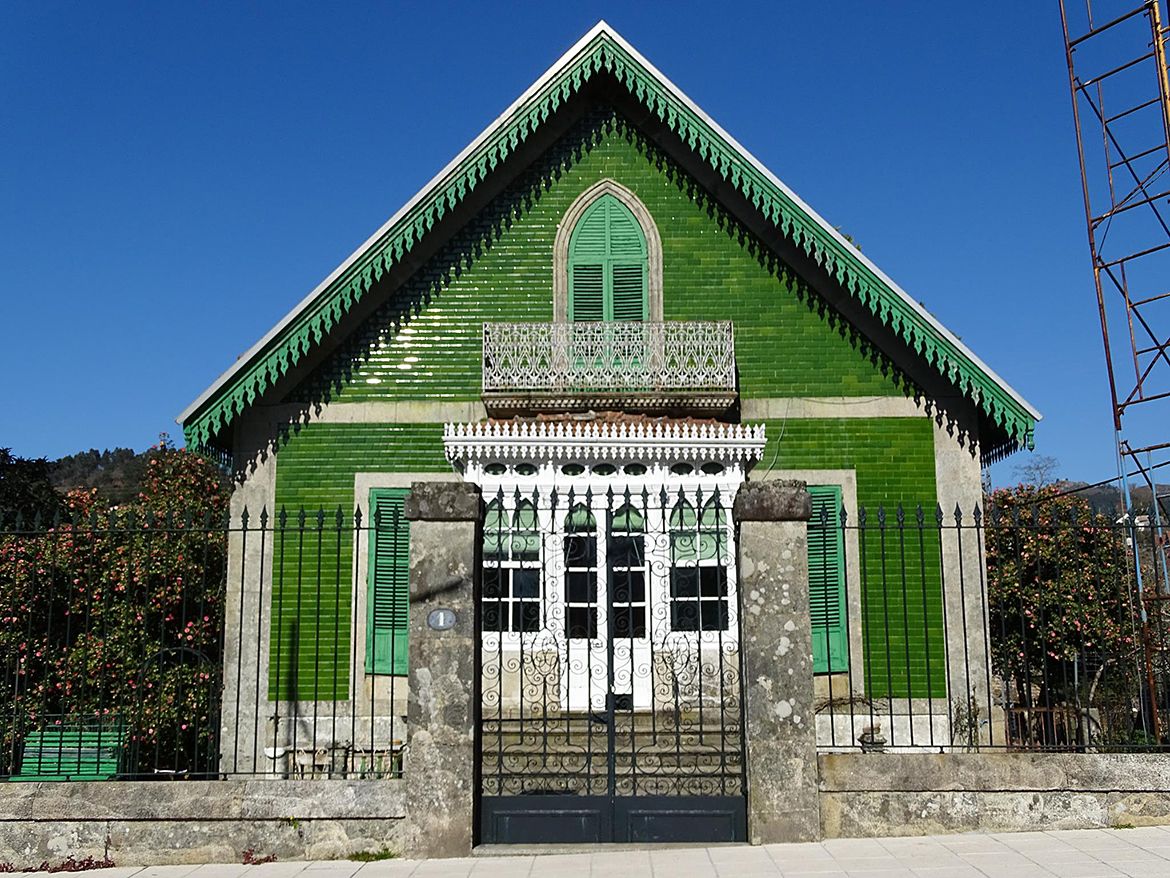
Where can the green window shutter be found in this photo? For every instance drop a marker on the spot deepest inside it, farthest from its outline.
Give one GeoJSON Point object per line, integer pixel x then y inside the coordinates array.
{"type": "Point", "coordinates": [587, 296]}
{"type": "Point", "coordinates": [388, 600]}
{"type": "Point", "coordinates": [629, 292]}
{"type": "Point", "coordinates": [826, 581]}
{"type": "Point", "coordinates": [607, 264]}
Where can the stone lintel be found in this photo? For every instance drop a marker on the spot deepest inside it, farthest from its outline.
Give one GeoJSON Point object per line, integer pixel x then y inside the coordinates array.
{"type": "Point", "coordinates": [774, 500]}
{"type": "Point", "coordinates": [443, 501]}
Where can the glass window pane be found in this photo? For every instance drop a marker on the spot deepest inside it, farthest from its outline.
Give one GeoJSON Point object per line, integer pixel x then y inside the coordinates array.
{"type": "Point", "coordinates": [492, 616]}
{"type": "Point", "coordinates": [713, 546]}
{"type": "Point", "coordinates": [526, 583]}
{"type": "Point", "coordinates": [493, 546]}
{"type": "Point", "coordinates": [713, 516]}
{"type": "Point", "coordinates": [684, 582]}
{"type": "Point", "coordinates": [638, 619]}
{"type": "Point", "coordinates": [629, 587]}
{"type": "Point", "coordinates": [714, 615]}
{"type": "Point", "coordinates": [526, 546]}
{"type": "Point", "coordinates": [628, 519]}
{"type": "Point", "coordinates": [581, 588]}
{"type": "Point", "coordinates": [626, 552]}
{"type": "Point", "coordinates": [637, 587]}
{"type": "Point", "coordinates": [684, 615]}
{"type": "Point", "coordinates": [526, 616]}
{"type": "Point", "coordinates": [525, 516]}
{"type": "Point", "coordinates": [682, 517]}
{"type": "Point", "coordinates": [713, 582]}
{"type": "Point", "coordinates": [581, 551]}
{"type": "Point", "coordinates": [492, 579]}
{"type": "Point", "coordinates": [622, 622]}
{"type": "Point", "coordinates": [582, 623]}
{"type": "Point", "coordinates": [580, 520]}
{"type": "Point", "coordinates": [683, 547]}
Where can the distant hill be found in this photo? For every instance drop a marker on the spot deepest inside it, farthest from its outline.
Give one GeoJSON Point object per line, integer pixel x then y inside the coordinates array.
{"type": "Point", "coordinates": [1106, 499]}
{"type": "Point", "coordinates": [116, 473]}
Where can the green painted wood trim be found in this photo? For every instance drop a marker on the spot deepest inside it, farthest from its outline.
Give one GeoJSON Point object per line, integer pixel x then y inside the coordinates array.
{"type": "Point", "coordinates": [388, 584]}
{"type": "Point", "coordinates": [603, 54]}
{"type": "Point", "coordinates": [826, 581]}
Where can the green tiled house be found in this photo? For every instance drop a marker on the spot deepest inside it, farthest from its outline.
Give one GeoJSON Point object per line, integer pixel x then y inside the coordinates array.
{"type": "Point", "coordinates": [604, 292]}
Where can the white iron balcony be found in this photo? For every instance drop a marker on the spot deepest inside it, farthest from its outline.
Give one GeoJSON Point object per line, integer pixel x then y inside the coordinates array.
{"type": "Point", "coordinates": [679, 367]}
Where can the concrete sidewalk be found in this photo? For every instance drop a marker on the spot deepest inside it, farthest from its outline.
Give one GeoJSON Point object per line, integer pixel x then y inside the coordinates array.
{"type": "Point", "coordinates": [1138, 853]}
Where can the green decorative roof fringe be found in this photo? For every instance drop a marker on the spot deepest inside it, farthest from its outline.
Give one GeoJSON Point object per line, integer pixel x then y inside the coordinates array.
{"type": "Point", "coordinates": [308, 328]}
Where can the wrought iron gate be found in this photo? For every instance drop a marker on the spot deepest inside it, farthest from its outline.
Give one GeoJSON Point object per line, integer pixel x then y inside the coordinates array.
{"type": "Point", "coordinates": [610, 676]}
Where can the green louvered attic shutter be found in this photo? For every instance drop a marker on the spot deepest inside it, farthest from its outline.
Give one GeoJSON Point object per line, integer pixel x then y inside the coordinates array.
{"type": "Point", "coordinates": [607, 264]}
{"type": "Point", "coordinates": [388, 601]}
{"type": "Point", "coordinates": [826, 580]}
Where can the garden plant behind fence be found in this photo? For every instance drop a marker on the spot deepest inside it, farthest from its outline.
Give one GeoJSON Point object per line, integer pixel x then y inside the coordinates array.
{"type": "Point", "coordinates": [125, 653]}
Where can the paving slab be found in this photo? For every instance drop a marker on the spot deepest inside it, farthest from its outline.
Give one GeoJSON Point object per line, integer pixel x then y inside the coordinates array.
{"type": "Point", "coordinates": [1143, 852]}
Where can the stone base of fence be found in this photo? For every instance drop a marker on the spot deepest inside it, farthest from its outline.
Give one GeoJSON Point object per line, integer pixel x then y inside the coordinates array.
{"type": "Point", "coordinates": [155, 823]}
{"type": "Point", "coordinates": [860, 795]}
{"type": "Point", "coordinates": [888, 794]}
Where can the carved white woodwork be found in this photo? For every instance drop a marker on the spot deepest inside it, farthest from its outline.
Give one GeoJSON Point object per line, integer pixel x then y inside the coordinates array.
{"type": "Point", "coordinates": [621, 365]}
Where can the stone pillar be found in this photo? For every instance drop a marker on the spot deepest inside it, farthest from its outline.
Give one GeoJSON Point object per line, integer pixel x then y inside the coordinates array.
{"type": "Point", "coordinates": [440, 758]}
{"type": "Point", "coordinates": [776, 640]}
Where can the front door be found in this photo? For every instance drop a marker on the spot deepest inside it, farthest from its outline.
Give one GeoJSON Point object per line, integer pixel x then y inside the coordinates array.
{"type": "Point", "coordinates": [607, 624]}
{"type": "Point", "coordinates": [611, 704]}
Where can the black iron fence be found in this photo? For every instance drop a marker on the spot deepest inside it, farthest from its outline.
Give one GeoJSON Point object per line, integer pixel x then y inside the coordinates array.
{"type": "Point", "coordinates": [169, 647]}
{"type": "Point", "coordinates": [276, 645]}
{"type": "Point", "coordinates": [1022, 626]}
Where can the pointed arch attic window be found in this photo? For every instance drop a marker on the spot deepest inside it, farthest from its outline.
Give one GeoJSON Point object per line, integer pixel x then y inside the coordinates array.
{"type": "Point", "coordinates": [607, 264]}
{"type": "Point", "coordinates": [607, 259]}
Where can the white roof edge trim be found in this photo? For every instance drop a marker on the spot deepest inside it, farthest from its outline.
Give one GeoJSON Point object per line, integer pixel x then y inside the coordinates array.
{"type": "Point", "coordinates": [247, 356]}
{"type": "Point", "coordinates": [763, 169]}
{"type": "Point", "coordinates": [563, 61]}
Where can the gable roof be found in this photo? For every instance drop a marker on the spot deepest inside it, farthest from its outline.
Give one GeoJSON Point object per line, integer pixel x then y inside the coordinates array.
{"type": "Point", "coordinates": [602, 49]}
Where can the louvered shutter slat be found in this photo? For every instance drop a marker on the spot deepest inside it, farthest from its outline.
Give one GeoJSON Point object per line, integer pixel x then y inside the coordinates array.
{"type": "Point", "coordinates": [625, 235]}
{"type": "Point", "coordinates": [629, 292]}
{"type": "Point", "coordinates": [389, 597]}
{"type": "Point", "coordinates": [826, 579]}
{"type": "Point", "coordinates": [587, 297]}
{"type": "Point", "coordinates": [607, 265]}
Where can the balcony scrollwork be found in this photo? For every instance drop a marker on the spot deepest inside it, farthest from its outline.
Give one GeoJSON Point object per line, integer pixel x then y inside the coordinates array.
{"type": "Point", "coordinates": [625, 366]}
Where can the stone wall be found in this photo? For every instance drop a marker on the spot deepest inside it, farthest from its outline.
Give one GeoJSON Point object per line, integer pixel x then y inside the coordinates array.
{"type": "Point", "coordinates": [884, 794]}
{"type": "Point", "coordinates": [158, 822]}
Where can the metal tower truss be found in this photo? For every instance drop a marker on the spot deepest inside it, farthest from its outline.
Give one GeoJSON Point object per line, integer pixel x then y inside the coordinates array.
{"type": "Point", "coordinates": [1121, 106]}
{"type": "Point", "coordinates": [1117, 73]}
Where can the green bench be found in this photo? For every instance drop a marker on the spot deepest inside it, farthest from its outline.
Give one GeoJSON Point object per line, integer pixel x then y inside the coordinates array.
{"type": "Point", "coordinates": [72, 752]}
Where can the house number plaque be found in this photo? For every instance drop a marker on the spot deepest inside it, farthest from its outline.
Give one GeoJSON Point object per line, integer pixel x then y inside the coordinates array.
{"type": "Point", "coordinates": [441, 619]}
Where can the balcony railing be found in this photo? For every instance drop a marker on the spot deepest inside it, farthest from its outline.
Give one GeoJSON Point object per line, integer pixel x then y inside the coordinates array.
{"type": "Point", "coordinates": [677, 366]}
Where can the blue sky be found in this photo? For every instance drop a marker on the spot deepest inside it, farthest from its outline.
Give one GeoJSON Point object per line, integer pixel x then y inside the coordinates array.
{"type": "Point", "coordinates": [175, 177]}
